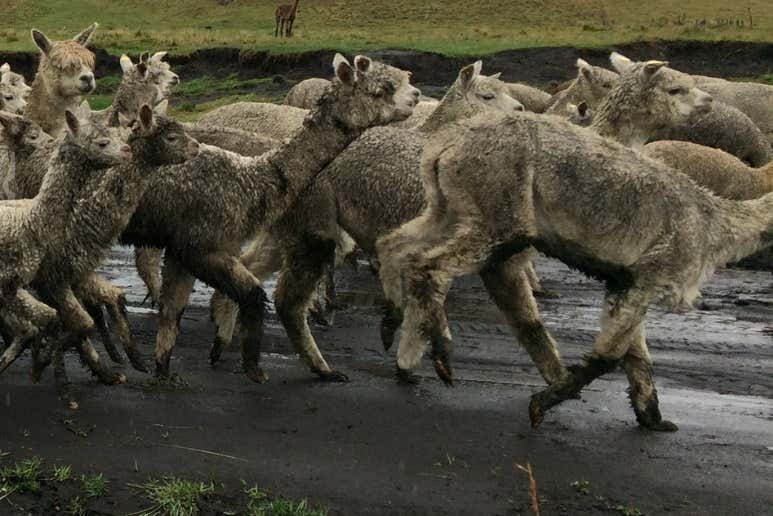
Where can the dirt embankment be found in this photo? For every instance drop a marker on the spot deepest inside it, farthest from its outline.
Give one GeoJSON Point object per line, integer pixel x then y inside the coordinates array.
{"type": "Point", "coordinates": [539, 66]}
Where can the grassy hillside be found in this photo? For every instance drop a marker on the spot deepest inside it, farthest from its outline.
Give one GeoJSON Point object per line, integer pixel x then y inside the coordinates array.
{"type": "Point", "coordinates": [453, 27]}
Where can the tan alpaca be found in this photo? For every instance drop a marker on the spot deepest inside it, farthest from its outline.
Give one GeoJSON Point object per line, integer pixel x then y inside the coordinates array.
{"type": "Point", "coordinates": [306, 93]}
{"type": "Point", "coordinates": [577, 196]}
{"type": "Point", "coordinates": [65, 74]}
{"type": "Point", "coordinates": [285, 18]}
{"type": "Point", "coordinates": [720, 172]}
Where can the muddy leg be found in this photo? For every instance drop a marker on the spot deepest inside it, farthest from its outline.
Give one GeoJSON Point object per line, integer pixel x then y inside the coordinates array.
{"type": "Point", "coordinates": [176, 288]}
{"type": "Point", "coordinates": [536, 285]}
{"type": "Point", "coordinates": [96, 313]}
{"type": "Point", "coordinates": [508, 284]}
{"type": "Point", "coordinates": [226, 273]}
{"type": "Point", "coordinates": [623, 313]}
{"type": "Point", "coordinates": [147, 260]}
{"type": "Point", "coordinates": [637, 364]}
{"type": "Point", "coordinates": [262, 258]}
{"type": "Point", "coordinates": [304, 267]}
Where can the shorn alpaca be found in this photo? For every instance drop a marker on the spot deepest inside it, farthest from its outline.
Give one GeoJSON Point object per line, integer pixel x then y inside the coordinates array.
{"type": "Point", "coordinates": [32, 231]}
{"type": "Point", "coordinates": [285, 18]}
{"type": "Point", "coordinates": [65, 74]}
{"type": "Point", "coordinates": [497, 185]}
{"type": "Point", "coordinates": [203, 211]}
{"type": "Point", "coordinates": [368, 190]}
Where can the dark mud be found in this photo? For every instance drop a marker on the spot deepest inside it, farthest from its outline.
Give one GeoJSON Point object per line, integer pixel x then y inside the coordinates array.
{"type": "Point", "coordinates": [538, 66]}
{"type": "Point", "coordinates": [375, 447]}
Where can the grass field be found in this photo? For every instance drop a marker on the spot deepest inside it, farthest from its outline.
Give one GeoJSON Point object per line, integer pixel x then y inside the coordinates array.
{"type": "Point", "coordinates": [452, 27]}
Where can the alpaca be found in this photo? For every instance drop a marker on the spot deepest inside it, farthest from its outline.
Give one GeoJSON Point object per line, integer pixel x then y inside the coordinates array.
{"type": "Point", "coordinates": [720, 172]}
{"type": "Point", "coordinates": [65, 74]}
{"type": "Point", "coordinates": [533, 99]}
{"type": "Point", "coordinates": [368, 190]}
{"type": "Point", "coordinates": [13, 91]}
{"type": "Point", "coordinates": [285, 15]}
{"type": "Point", "coordinates": [306, 93]}
{"type": "Point", "coordinates": [271, 120]}
{"type": "Point", "coordinates": [537, 182]}
{"type": "Point", "coordinates": [591, 85]}
{"type": "Point", "coordinates": [202, 212]}
{"type": "Point", "coordinates": [755, 100]}
{"type": "Point", "coordinates": [36, 228]}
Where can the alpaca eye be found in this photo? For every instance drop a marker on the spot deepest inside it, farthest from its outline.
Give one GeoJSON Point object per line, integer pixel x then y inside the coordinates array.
{"type": "Point", "coordinates": [171, 138]}
{"type": "Point", "coordinates": [607, 85]}
{"type": "Point", "coordinates": [8, 97]}
{"type": "Point", "coordinates": [103, 144]}
{"type": "Point", "coordinates": [487, 96]}
{"type": "Point", "coordinates": [675, 91]}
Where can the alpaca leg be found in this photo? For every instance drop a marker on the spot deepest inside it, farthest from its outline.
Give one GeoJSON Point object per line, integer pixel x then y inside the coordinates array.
{"type": "Point", "coordinates": [176, 288]}
{"type": "Point", "coordinates": [96, 312]}
{"type": "Point", "coordinates": [297, 282]}
{"type": "Point", "coordinates": [23, 317]}
{"type": "Point", "coordinates": [509, 286]}
{"type": "Point", "coordinates": [536, 285]}
{"type": "Point", "coordinates": [623, 313]}
{"type": "Point", "coordinates": [262, 258]}
{"type": "Point", "coordinates": [637, 364]}
{"type": "Point", "coordinates": [147, 260]}
{"type": "Point", "coordinates": [229, 275]}
{"type": "Point", "coordinates": [428, 277]}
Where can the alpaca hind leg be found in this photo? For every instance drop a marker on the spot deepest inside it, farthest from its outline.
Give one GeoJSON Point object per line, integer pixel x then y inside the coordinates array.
{"type": "Point", "coordinates": [637, 365]}
{"type": "Point", "coordinates": [147, 261]}
{"type": "Point", "coordinates": [623, 313]}
{"type": "Point", "coordinates": [228, 274]}
{"type": "Point", "coordinates": [508, 285]}
{"type": "Point", "coordinates": [428, 277]}
{"type": "Point", "coordinates": [536, 285]}
{"type": "Point", "coordinates": [97, 313]}
{"type": "Point", "coordinates": [303, 269]}
{"type": "Point", "coordinates": [176, 289]}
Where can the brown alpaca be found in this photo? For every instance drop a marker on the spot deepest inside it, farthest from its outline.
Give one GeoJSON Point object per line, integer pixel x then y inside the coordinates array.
{"type": "Point", "coordinates": [65, 74]}
{"type": "Point", "coordinates": [285, 16]}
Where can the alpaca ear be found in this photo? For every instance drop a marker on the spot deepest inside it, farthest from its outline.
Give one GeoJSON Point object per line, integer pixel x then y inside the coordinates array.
{"type": "Point", "coordinates": [469, 73]}
{"type": "Point", "coordinates": [584, 68]}
{"type": "Point", "coordinates": [362, 63]}
{"type": "Point", "coordinates": [582, 108]}
{"type": "Point", "coordinates": [123, 120]}
{"type": "Point", "coordinates": [343, 69]}
{"type": "Point", "coordinates": [162, 107]}
{"type": "Point", "coordinates": [495, 76]}
{"type": "Point", "coordinates": [146, 117]}
{"type": "Point", "coordinates": [158, 57]}
{"type": "Point", "coordinates": [142, 69]}
{"type": "Point", "coordinates": [620, 63]}
{"type": "Point", "coordinates": [42, 41]}
{"type": "Point", "coordinates": [126, 63]}
{"type": "Point", "coordinates": [5, 68]}
{"type": "Point", "coordinates": [84, 111]}
{"type": "Point", "coordinates": [650, 69]}
{"type": "Point", "coordinates": [73, 125]}
{"type": "Point", "coordinates": [144, 57]}
{"type": "Point", "coordinates": [84, 37]}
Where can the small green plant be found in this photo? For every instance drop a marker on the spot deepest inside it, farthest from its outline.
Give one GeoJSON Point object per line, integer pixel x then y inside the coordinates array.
{"type": "Point", "coordinates": [22, 476]}
{"type": "Point", "coordinates": [94, 486]}
{"type": "Point", "coordinates": [76, 507]}
{"type": "Point", "coordinates": [61, 473]}
{"type": "Point", "coordinates": [175, 497]}
{"type": "Point", "coordinates": [258, 504]}
{"type": "Point", "coordinates": [581, 486]}
{"type": "Point", "coordinates": [628, 511]}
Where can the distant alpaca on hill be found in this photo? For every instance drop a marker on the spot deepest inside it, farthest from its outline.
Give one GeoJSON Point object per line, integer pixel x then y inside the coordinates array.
{"type": "Point", "coordinates": [285, 16]}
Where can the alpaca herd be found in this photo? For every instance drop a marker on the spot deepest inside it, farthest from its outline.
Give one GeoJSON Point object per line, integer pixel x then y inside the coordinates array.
{"type": "Point", "coordinates": [645, 178]}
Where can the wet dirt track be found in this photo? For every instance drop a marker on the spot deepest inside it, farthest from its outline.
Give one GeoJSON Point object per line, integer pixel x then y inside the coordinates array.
{"type": "Point", "coordinates": [375, 447]}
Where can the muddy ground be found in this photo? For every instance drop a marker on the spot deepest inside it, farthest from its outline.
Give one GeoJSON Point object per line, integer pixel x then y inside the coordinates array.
{"type": "Point", "coordinates": [375, 447]}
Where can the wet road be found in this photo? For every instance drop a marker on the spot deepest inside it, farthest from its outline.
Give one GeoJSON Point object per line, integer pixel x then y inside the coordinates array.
{"type": "Point", "coordinates": [375, 447]}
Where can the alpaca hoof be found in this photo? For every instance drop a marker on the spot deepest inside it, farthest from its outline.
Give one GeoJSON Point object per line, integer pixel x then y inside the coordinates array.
{"type": "Point", "coordinates": [663, 426]}
{"type": "Point", "coordinates": [256, 374]}
{"type": "Point", "coordinates": [162, 369]}
{"type": "Point", "coordinates": [536, 412]}
{"type": "Point", "coordinates": [331, 376]}
{"type": "Point", "coordinates": [651, 419]}
{"type": "Point", "coordinates": [216, 350]}
{"type": "Point", "coordinates": [406, 376]}
{"type": "Point", "coordinates": [444, 372]}
{"type": "Point", "coordinates": [112, 379]}
{"type": "Point", "coordinates": [321, 316]}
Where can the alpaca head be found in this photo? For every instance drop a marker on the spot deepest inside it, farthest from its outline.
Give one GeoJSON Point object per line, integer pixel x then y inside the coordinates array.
{"type": "Point", "coordinates": [67, 66]}
{"type": "Point", "coordinates": [483, 92]}
{"type": "Point", "coordinates": [158, 140]}
{"type": "Point", "coordinates": [593, 83]}
{"type": "Point", "coordinates": [660, 94]}
{"type": "Point", "coordinates": [368, 93]}
{"type": "Point", "coordinates": [13, 90]}
{"type": "Point", "coordinates": [100, 146]}
{"type": "Point", "coordinates": [21, 132]}
{"type": "Point", "coordinates": [159, 73]}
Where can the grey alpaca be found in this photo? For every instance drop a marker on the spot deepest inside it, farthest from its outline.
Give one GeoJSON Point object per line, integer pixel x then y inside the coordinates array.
{"type": "Point", "coordinates": [202, 212]}
{"type": "Point", "coordinates": [591, 85]}
{"type": "Point", "coordinates": [307, 93]}
{"type": "Point", "coordinates": [538, 181]}
{"type": "Point", "coordinates": [368, 190]}
{"type": "Point", "coordinates": [13, 91]}
{"type": "Point", "coordinates": [533, 99]}
{"type": "Point", "coordinates": [32, 231]}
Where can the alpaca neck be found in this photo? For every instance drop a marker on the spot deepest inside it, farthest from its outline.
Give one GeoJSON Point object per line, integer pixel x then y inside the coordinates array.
{"type": "Point", "coordinates": [453, 107]}
{"type": "Point", "coordinates": [613, 124]}
{"type": "Point", "coordinates": [298, 161]}
{"type": "Point", "coordinates": [742, 228]}
{"type": "Point", "coordinates": [46, 107]}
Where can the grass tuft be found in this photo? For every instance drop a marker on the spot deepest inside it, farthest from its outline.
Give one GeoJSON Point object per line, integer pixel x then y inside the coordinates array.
{"type": "Point", "coordinates": [258, 504]}
{"type": "Point", "coordinates": [62, 473]}
{"type": "Point", "coordinates": [175, 497]}
{"type": "Point", "coordinates": [94, 486]}
{"type": "Point", "coordinates": [23, 476]}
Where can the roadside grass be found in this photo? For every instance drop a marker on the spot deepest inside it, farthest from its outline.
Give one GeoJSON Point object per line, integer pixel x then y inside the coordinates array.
{"type": "Point", "coordinates": [452, 27]}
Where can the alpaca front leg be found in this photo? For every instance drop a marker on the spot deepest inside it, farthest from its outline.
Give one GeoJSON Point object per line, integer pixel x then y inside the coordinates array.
{"type": "Point", "coordinates": [176, 288]}
{"type": "Point", "coordinates": [297, 283]}
{"type": "Point", "coordinates": [96, 313]}
{"type": "Point", "coordinates": [147, 261]}
{"type": "Point", "coordinates": [622, 314]}
{"type": "Point", "coordinates": [637, 364]}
